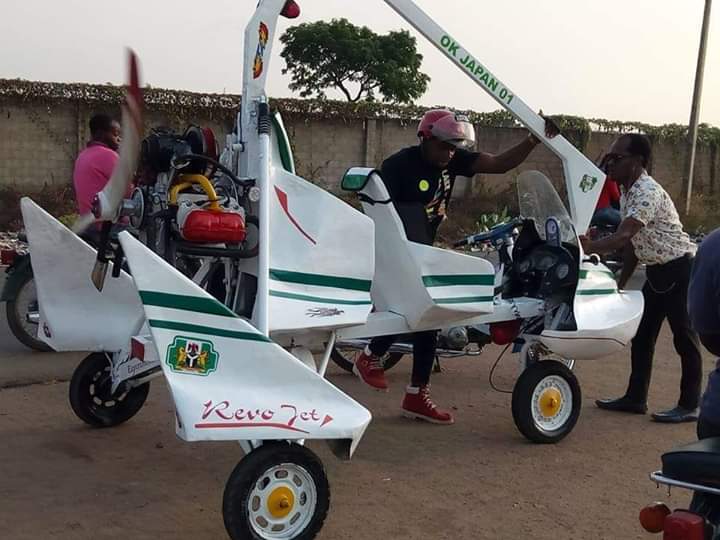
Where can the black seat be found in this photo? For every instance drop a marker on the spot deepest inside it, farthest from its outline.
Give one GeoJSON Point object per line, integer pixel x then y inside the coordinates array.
{"type": "Point", "coordinates": [696, 463]}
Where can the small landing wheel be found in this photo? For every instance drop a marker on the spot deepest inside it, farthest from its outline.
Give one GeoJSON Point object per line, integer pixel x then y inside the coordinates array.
{"type": "Point", "coordinates": [91, 399]}
{"type": "Point", "coordinates": [546, 401]}
{"type": "Point", "coordinates": [279, 491]}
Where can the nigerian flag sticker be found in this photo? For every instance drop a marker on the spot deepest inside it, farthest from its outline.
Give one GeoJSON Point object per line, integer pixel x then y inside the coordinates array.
{"type": "Point", "coordinates": [192, 356]}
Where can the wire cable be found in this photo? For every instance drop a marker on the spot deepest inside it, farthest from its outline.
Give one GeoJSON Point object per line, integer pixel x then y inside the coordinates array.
{"type": "Point", "coordinates": [492, 371]}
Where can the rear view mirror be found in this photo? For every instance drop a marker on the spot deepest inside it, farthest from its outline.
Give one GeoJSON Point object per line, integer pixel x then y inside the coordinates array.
{"type": "Point", "coordinates": [356, 178]}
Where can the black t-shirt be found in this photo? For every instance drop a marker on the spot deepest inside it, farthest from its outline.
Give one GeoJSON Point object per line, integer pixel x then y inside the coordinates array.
{"type": "Point", "coordinates": [421, 191]}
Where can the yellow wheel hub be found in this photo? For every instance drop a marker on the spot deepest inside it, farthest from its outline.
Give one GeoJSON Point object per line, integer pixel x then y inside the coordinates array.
{"type": "Point", "coordinates": [550, 402]}
{"type": "Point", "coordinates": [280, 502]}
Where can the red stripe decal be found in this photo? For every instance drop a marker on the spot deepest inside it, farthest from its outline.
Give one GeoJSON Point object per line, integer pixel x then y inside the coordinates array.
{"type": "Point", "coordinates": [134, 95]}
{"type": "Point", "coordinates": [282, 197]}
{"type": "Point", "coordinates": [248, 424]}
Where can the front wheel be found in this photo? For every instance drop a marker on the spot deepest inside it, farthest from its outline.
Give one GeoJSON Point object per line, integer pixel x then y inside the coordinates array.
{"type": "Point", "coordinates": [546, 401]}
{"type": "Point", "coordinates": [23, 315]}
{"type": "Point", "coordinates": [278, 491]}
{"type": "Point", "coordinates": [91, 398]}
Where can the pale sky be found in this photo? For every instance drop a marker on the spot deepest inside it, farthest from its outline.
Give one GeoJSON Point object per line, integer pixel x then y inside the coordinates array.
{"type": "Point", "coordinates": [616, 59]}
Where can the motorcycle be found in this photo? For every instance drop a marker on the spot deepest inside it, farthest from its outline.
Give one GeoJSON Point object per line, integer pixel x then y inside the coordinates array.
{"type": "Point", "coordinates": [20, 297]}
{"type": "Point", "coordinates": [694, 467]}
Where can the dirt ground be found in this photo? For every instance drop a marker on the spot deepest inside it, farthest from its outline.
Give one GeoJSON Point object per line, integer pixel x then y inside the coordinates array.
{"type": "Point", "coordinates": [477, 479]}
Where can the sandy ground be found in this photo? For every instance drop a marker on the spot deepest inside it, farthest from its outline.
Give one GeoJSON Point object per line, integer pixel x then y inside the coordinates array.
{"type": "Point", "coordinates": [477, 479]}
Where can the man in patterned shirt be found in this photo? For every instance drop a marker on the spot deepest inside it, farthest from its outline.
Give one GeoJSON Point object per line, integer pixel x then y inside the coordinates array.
{"type": "Point", "coordinates": [652, 234]}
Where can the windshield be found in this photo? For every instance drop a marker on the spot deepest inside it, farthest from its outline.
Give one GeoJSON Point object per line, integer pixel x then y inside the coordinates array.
{"type": "Point", "coordinates": [539, 201]}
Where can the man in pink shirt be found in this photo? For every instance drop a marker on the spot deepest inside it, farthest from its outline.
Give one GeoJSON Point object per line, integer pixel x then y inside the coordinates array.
{"type": "Point", "coordinates": [95, 164]}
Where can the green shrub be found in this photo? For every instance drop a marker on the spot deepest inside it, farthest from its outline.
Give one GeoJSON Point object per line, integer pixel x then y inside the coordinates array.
{"type": "Point", "coordinates": [489, 220]}
{"type": "Point", "coordinates": [57, 200]}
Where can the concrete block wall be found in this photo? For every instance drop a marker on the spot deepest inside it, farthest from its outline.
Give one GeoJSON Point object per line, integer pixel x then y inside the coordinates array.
{"type": "Point", "coordinates": [38, 145]}
{"type": "Point", "coordinates": [325, 149]}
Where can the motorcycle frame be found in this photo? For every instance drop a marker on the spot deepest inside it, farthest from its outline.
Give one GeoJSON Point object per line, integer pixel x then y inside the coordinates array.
{"type": "Point", "coordinates": [659, 478]}
{"type": "Point", "coordinates": [16, 274]}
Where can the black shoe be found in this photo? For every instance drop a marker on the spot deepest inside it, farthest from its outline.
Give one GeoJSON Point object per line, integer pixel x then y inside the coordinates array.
{"type": "Point", "coordinates": [623, 404]}
{"type": "Point", "coordinates": [676, 415]}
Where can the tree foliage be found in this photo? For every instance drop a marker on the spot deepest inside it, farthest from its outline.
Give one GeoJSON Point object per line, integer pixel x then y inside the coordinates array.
{"type": "Point", "coordinates": [354, 60]}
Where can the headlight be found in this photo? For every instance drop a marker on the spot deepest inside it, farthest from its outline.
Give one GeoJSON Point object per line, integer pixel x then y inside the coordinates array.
{"type": "Point", "coordinates": [254, 194]}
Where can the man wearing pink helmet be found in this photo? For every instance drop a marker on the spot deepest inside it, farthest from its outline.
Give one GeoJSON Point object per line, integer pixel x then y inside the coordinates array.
{"type": "Point", "coordinates": [420, 180]}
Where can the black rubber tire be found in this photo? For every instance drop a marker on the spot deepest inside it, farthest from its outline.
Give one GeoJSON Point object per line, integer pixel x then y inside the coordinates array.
{"type": "Point", "coordinates": [347, 364]}
{"type": "Point", "coordinates": [93, 375]}
{"type": "Point", "coordinates": [522, 401]}
{"type": "Point", "coordinates": [14, 319]}
{"type": "Point", "coordinates": [250, 470]}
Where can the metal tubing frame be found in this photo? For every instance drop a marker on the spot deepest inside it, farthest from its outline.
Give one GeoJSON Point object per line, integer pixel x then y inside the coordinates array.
{"type": "Point", "coordinates": [659, 478]}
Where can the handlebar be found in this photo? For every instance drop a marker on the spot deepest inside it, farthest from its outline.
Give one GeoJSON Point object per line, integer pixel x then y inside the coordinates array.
{"type": "Point", "coordinates": [490, 236]}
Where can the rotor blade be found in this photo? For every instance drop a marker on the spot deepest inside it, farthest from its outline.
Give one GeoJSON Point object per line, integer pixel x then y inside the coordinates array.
{"type": "Point", "coordinates": [111, 196]}
{"type": "Point", "coordinates": [82, 223]}
{"type": "Point", "coordinates": [114, 192]}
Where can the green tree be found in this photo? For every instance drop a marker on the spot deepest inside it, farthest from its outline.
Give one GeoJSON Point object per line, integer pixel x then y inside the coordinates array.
{"type": "Point", "coordinates": [354, 60]}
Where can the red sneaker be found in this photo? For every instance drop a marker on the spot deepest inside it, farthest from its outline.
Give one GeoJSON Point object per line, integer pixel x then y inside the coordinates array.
{"type": "Point", "coordinates": [417, 404]}
{"type": "Point", "coordinates": [370, 370]}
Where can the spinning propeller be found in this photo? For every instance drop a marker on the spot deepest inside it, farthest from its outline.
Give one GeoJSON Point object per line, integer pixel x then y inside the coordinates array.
{"type": "Point", "coordinates": [107, 203]}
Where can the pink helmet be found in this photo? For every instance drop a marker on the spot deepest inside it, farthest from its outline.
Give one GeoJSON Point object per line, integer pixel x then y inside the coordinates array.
{"type": "Point", "coordinates": [448, 127]}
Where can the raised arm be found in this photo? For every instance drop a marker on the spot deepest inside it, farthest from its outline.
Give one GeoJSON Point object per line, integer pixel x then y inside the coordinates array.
{"type": "Point", "coordinates": [511, 158]}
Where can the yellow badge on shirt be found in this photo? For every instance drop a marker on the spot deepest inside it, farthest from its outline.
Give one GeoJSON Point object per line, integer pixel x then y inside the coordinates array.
{"type": "Point", "coordinates": [424, 185]}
